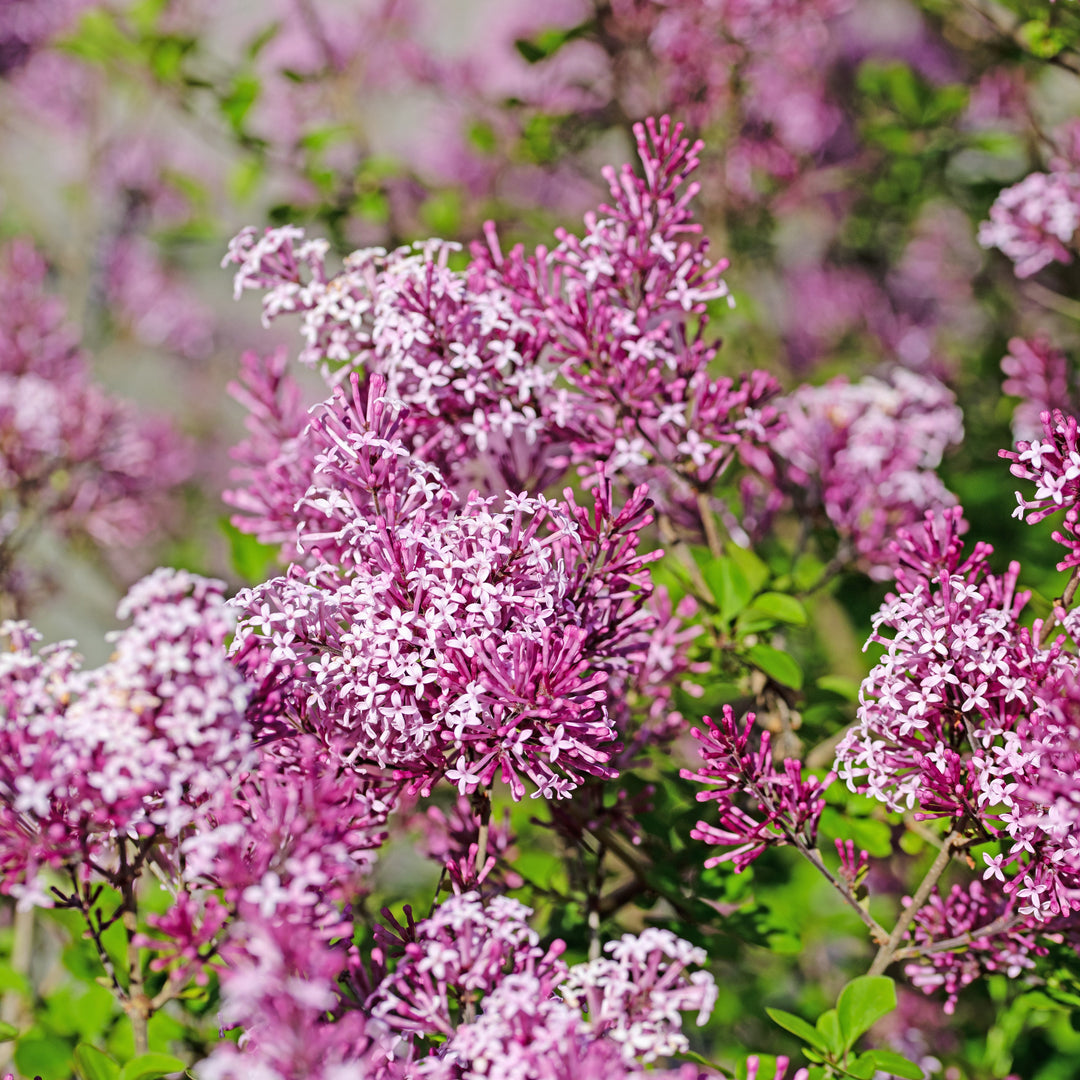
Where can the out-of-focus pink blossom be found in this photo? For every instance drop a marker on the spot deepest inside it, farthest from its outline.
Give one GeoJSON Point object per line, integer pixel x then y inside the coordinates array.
{"type": "Point", "coordinates": [865, 453]}
{"type": "Point", "coordinates": [962, 914]}
{"type": "Point", "coordinates": [1037, 373]}
{"type": "Point", "coordinates": [1033, 222]}
{"type": "Point", "coordinates": [71, 458]}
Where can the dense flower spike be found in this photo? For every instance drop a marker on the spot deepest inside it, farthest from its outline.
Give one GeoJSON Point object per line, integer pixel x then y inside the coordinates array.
{"type": "Point", "coordinates": [471, 981]}
{"type": "Point", "coordinates": [460, 954]}
{"type": "Point", "coordinates": [90, 760]}
{"type": "Point", "coordinates": [620, 315]}
{"type": "Point", "coordinates": [451, 345]}
{"type": "Point", "coordinates": [473, 641]}
{"type": "Point", "coordinates": [865, 454]}
{"type": "Point", "coordinates": [963, 917]}
{"type": "Point", "coordinates": [626, 306]}
{"type": "Point", "coordinates": [952, 718]}
{"type": "Point", "coordinates": [788, 805]}
{"type": "Point", "coordinates": [1053, 466]}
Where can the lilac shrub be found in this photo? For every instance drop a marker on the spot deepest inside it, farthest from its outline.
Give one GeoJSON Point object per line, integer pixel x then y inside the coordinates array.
{"type": "Point", "coordinates": [514, 451]}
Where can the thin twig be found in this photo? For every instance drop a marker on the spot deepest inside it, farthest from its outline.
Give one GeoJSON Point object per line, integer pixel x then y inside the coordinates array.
{"type": "Point", "coordinates": [1000, 924]}
{"type": "Point", "coordinates": [887, 953]}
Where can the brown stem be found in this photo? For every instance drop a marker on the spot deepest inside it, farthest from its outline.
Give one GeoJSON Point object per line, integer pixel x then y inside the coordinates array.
{"type": "Point", "coordinates": [1063, 601]}
{"type": "Point", "coordinates": [1047, 298]}
{"type": "Point", "coordinates": [672, 543]}
{"type": "Point", "coordinates": [482, 807]}
{"type": "Point", "coordinates": [1003, 922]}
{"type": "Point", "coordinates": [887, 953]}
{"type": "Point", "coordinates": [708, 523]}
{"type": "Point", "coordinates": [595, 885]}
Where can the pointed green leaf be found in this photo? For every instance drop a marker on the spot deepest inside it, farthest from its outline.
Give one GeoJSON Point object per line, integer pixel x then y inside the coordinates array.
{"type": "Point", "coordinates": [780, 607]}
{"type": "Point", "coordinates": [151, 1067]}
{"type": "Point", "coordinates": [754, 570]}
{"type": "Point", "coordinates": [729, 587]}
{"type": "Point", "coordinates": [828, 1026]}
{"type": "Point", "coordinates": [797, 1026]}
{"type": "Point", "coordinates": [8, 1032]}
{"type": "Point", "coordinates": [862, 1003]}
{"type": "Point", "coordinates": [92, 1064]}
{"type": "Point", "coordinates": [776, 664]}
{"type": "Point", "coordinates": [895, 1064]}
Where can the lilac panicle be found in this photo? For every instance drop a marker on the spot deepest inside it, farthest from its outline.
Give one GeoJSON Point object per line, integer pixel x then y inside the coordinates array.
{"type": "Point", "coordinates": [473, 985]}
{"type": "Point", "coordinates": [437, 638]}
{"type": "Point", "coordinates": [1053, 465]}
{"type": "Point", "coordinates": [131, 750]}
{"type": "Point", "coordinates": [787, 805]}
{"type": "Point", "coordinates": [477, 355]}
{"type": "Point", "coordinates": [1034, 222]}
{"type": "Point", "coordinates": [1037, 373]}
{"type": "Point", "coordinates": [963, 913]}
{"type": "Point", "coordinates": [955, 719]}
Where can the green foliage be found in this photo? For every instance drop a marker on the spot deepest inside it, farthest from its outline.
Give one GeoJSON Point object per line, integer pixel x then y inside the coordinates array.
{"type": "Point", "coordinates": [151, 1067]}
{"type": "Point", "coordinates": [93, 1064]}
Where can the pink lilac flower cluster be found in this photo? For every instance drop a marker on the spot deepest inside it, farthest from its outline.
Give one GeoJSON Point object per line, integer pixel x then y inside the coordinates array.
{"type": "Point", "coordinates": [439, 637]}
{"type": "Point", "coordinates": [1034, 222]}
{"type": "Point", "coordinates": [91, 761]}
{"type": "Point", "coordinates": [953, 717]}
{"type": "Point", "coordinates": [864, 453]}
{"type": "Point", "coordinates": [71, 457]}
{"type": "Point", "coordinates": [1038, 375]}
{"type": "Point", "coordinates": [962, 918]}
{"type": "Point", "coordinates": [786, 805]}
{"type": "Point", "coordinates": [1053, 465]}
{"type": "Point", "coordinates": [628, 307]}
{"type": "Point", "coordinates": [473, 983]}
{"type": "Point", "coordinates": [617, 316]}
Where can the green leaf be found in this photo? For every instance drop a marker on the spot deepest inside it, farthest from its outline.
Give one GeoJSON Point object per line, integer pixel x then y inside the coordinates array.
{"type": "Point", "coordinates": [895, 1064]}
{"type": "Point", "coordinates": [776, 664]}
{"type": "Point", "coordinates": [151, 1066]}
{"type": "Point", "coordinates": [808, 571]}
{"type": "Point", "coordinates": [729, 586]}
{"type": "Point", "coordinates": [43, 1057]}
{"type": "Point", "coordinates": [237, 103]}
{"type": "Point", "coordinates": [93, 1064]}
{"type": "Point", "coordinates": [8, 1032]}
{"type": "Point", "coordinates": [797, 1026]}
{"type": "Point", "coordinates": [841, 686]}
{"type": "Point", "coordinates": [754, 570]}
{"type": "Point", "coordinates": [862, 1003]}
{"type": "Point", "coordinates": [1042, 40]}
{"type": "Point", "coordinates": [780, 607]}
{"type": "Point", "coordinates": [862, 1068]}
{"type": "Point", "coordinates": [828, 1026]}
{"type": "Point", "coordinates": [253, 561]}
